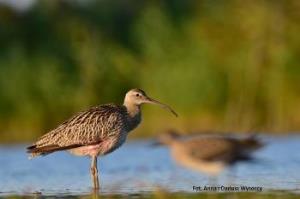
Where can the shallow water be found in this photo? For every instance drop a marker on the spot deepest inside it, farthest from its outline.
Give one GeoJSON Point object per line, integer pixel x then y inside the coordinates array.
{"type": "Point", "coordinates": [138, 168]}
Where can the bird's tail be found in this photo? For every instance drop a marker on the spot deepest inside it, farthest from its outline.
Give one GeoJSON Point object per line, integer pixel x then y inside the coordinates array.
{"type": "Point", "coordinates": [33, 155]}
{"type": "Point", "coordinates": [252, 142]}
{"type": "Point", "coordinates": [35, 151]}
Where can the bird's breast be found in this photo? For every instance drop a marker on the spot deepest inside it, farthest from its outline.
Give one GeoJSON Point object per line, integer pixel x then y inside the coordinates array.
{"type": "Point", "coordinates": [133, 122]}
{"type": "Point", "coordinates": [108, 145]}
{"type": "Point", "coordinates": [113, 143]}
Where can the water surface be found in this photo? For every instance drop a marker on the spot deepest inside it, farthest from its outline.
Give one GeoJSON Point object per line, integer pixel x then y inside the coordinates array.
{"type": "Point", "coordinates": [138, 168]}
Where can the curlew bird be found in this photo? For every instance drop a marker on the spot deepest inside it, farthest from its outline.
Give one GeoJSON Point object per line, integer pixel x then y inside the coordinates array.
{"type": "Point", "coordinates": [97, 131]}
{"type": "Point", "coordinates": [209, 154]}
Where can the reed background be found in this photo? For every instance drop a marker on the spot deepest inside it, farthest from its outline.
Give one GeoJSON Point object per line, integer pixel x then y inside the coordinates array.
{"type": "Point", "coordinates": [222, 65]}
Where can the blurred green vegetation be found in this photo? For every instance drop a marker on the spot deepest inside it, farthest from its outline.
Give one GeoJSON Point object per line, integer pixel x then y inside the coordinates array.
{"type": "Point", "coordinates": [223, 65]}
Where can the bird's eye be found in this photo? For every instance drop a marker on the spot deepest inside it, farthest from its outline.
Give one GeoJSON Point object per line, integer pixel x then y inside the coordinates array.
{"type": "Point", "coordinates": [137, 95]}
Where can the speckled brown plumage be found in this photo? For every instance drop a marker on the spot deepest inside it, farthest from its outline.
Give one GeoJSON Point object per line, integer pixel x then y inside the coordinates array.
{"type": "Point", "coordinates": [97, 131]}
{"type": "Point", "coordinates": [87, 128]}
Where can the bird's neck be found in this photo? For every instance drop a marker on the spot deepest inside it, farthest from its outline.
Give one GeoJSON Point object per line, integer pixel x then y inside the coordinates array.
{"type": "Point", "coordinates": [134, 115]}
{"type": "Point", "coordinates": [132, 109]}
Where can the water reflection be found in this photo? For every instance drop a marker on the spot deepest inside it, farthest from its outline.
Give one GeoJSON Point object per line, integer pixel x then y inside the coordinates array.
{"type": "Point", "coordinates": [137, 168]}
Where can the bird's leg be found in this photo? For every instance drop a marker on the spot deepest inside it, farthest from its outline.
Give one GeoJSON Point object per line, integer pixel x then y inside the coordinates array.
{"type": "Point", "coordinates": [94, 172]}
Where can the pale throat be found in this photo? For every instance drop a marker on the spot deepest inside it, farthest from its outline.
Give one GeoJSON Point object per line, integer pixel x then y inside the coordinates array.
{"type": "Point", "coordinates": [134, 115]}
{"type": "Point", "coordinates": [133, 110]}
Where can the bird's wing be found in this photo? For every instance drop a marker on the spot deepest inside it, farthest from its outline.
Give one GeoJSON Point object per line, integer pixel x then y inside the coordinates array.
{"type": "Point", "coordinates": [85, 128]}
{"type": "Point", "coordinates": [212, 149]}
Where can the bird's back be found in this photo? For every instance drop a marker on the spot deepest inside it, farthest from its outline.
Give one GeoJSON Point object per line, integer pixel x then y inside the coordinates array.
{"type": "Point", "coordinates": [85, 128]}
{"type": "Point", "coordinates": [211, 154]}
{"type": "Point", "coordinates": [224, 149]}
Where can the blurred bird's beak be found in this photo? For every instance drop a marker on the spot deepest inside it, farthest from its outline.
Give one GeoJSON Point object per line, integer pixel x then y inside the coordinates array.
{"type": "Point", "coordinates": [156, 143]}
{"type": "Point", "coordinates": [153, 101]}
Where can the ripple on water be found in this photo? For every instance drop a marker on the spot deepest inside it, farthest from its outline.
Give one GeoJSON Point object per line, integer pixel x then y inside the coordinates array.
{"type": "Point", "coordinates": [137, 168]}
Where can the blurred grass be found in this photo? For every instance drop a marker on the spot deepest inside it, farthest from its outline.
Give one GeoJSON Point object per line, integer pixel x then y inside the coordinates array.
{"type": "Point", "coordinates": [224, 66]}
{"type": "Point", "coordinates": [165, 195]}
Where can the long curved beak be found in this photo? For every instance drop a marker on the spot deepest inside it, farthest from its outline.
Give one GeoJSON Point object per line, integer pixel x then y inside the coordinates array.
{"type": "Point", "coordinates": [153, 101]}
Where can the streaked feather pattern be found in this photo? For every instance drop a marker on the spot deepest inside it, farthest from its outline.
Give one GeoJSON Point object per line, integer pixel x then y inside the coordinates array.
{"type": "Point", "coordinates": [87, 128]}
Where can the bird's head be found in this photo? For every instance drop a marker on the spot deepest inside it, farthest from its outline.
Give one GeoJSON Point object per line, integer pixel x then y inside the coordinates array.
{"type": "Point", "coordinates": [138, 97]}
